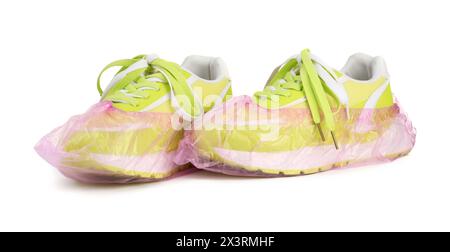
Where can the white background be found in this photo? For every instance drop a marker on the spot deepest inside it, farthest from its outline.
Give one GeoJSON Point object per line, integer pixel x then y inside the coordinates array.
{"type": "Point", "coordinates": [52, 51]}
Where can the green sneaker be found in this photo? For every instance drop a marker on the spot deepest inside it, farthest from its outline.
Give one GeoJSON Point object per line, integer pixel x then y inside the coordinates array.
{"type": "Point", "coordinates": [308, 118]}
{"type": "Point", "coordinates": [133, 133]}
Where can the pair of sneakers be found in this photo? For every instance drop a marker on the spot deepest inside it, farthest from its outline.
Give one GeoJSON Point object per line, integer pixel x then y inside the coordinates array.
{"type": "Point", "coordinates": [158, 119]}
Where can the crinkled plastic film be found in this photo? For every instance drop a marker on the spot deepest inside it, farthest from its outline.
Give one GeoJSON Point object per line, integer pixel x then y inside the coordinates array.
{"type": "Point", "coordinates": [107, 145]}
{"type": "Point", "coordinates": [244, 139]}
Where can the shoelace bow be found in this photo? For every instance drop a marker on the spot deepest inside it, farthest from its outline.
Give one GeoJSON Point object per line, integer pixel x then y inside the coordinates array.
{"type": "Point", "coordinates": [143, 74]}
{"type": "Point", "coordinates": [306, 79]}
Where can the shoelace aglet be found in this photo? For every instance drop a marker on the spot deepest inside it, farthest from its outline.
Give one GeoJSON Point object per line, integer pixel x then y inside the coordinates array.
{"type": "Point", "coordinates": [334, 140]}
{"type": "Point", "coordinates": [320, 132]}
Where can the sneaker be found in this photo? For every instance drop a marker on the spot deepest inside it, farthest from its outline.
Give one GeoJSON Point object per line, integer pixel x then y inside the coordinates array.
{"type": "Point", "coordinates": [309, 118]}
{"type": "Point", "coordinates": [132, 134]}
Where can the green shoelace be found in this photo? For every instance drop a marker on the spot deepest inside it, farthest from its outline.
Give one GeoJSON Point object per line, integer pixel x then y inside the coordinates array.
{"type": "Point", "coordinates": [305, 79]}
{"type": "Point", "coordinates": [138, 84]}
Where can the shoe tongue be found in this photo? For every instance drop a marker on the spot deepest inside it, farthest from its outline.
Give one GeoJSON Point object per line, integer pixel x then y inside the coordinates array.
{"type": "Point", "coordinates": [338, 73]}
{"type": "Point", "coordinates": [291, 65]}
{"type": "Point", "coordinates": [185, 73]}
{"type": "Point", "coordinates": [282, 71]}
